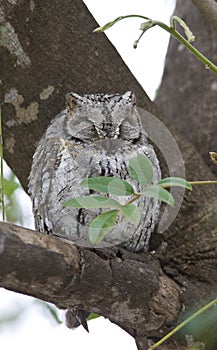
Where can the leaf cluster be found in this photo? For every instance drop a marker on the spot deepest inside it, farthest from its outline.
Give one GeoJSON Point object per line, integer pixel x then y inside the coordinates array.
{"type": "Point", "coordinates": [141, 170]}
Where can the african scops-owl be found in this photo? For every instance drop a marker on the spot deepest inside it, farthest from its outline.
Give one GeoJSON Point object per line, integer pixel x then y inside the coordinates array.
{"type": "Point", "coordinates": [96, 135]}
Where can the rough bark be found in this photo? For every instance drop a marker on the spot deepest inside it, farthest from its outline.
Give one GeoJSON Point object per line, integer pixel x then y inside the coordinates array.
{"type": "Point", "coordinates": [61, 273]}
{"type": "Point", "coordinates": [54, 51]}
{"type": "Point", "coordinates": [209, 10]}
{"type": "Point", "coordinates": [188, 92]}
{"type": "Point", "coordinates": [142, 299]}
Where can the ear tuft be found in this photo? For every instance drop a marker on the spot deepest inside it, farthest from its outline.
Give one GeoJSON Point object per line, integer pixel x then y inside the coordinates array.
{"type": "Point", "coordinates": [72, 101]}
{"type": "Point", "coordinates": [130, 97]}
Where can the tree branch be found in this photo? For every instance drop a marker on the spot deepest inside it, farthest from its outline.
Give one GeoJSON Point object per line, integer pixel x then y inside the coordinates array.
{"type": "Point", "coordinates": [128, 288]}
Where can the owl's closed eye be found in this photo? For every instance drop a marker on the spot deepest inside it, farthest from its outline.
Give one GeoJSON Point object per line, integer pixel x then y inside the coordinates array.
{"type": "Point", "coordinates": [103, 116]}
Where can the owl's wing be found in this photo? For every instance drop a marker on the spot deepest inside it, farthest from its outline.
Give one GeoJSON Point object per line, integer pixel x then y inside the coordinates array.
{"type": "Point", "coordinates": [40, 180]}
{"type": "Point", "coordinates": [57, 170]}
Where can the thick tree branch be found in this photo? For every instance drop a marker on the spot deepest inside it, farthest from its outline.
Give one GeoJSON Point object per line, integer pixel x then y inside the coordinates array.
{"type": "Point", "coordinates": [128, 288]}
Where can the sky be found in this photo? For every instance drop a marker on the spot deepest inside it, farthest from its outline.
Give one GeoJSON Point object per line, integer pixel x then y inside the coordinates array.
{"type": "Point", "coordinates": [147, 61]}
{"type": "Point", "coordinates": [35, 328]}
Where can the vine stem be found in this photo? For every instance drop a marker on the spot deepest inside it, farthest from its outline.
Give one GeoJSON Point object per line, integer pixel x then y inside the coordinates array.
{"type": "Point", "coordinates": [181, 325]}
{"type": "Point", "coordinates": [203, 182]}
{"type": "Point", "coordinates": [134, 198]}
{"type": "Point", "coordinates": [193, 183]}
{"type": "Point", "coordinates": [186, 43]}
{"type": "Point", "coordinates": [169, 29]}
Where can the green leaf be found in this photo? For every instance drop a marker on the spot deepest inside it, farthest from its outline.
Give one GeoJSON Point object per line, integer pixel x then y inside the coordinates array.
{"type": "Point", "coordinates": [92, 316]}
{"type": "Point", "coordinates": [131, 212]}
{"type": "Point", "coordinates": [101, 225]}
{"type": "Point", "coordinates": [174, 181]}
{"type": "Point", "coordinates": [111, 185]}
{"type": "Point", "coordinates": [53, 312]}
{"type": "Point", "coordinates": [141, 169]}
{"type": "Point", "coordinates": [9, 186]}
{"type": "Point", "coordinates": [91, 202]}
{"type": "Point", "coordinates": [159, 193]}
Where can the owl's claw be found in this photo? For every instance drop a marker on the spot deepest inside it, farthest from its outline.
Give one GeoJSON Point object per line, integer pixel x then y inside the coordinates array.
{"type": "Point", "coordinates": [83, 319]}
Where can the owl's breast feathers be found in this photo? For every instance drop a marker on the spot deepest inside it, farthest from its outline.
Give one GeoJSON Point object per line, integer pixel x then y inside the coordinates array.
{"type": "Point", "coordinates": [63, 164]}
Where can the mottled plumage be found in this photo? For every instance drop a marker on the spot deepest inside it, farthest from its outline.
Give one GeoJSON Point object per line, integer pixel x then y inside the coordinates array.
{"type": "Point", "coordinates": [96, 135]}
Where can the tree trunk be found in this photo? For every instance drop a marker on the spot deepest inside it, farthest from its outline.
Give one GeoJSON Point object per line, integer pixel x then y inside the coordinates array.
{"type": "Point", "coordinates": [48, 49]}
{"type": "Point", "coordinates": [188, 93]}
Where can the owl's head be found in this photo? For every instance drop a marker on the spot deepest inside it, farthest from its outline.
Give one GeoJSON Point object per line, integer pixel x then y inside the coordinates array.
{"type": "Point", "coordinates": [103, 116]}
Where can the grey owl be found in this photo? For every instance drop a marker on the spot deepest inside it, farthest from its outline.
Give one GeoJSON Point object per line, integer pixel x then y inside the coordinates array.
{"type": "Point", "coordinates": [96, 135]}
